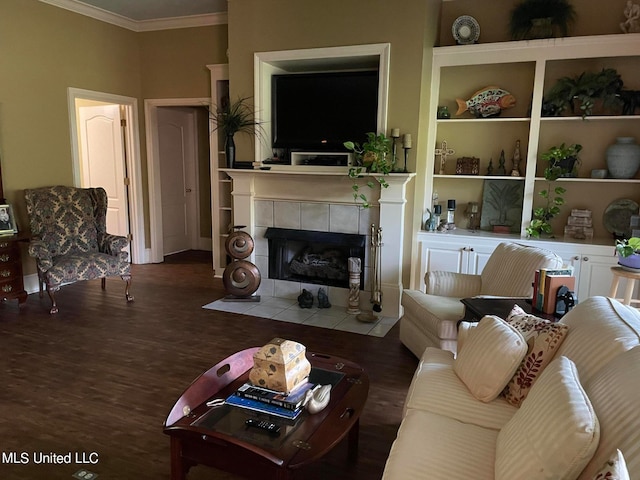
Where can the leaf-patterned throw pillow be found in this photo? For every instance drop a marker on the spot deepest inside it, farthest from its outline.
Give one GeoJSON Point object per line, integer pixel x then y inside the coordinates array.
{"type": "Point", "coordinates": [543, 339]}
{"type": "Point", "coordinates": [614, 469]}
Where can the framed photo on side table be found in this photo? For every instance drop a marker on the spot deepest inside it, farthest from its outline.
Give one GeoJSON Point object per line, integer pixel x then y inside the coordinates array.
{"type": "Point", "coordinates": [7, 220]}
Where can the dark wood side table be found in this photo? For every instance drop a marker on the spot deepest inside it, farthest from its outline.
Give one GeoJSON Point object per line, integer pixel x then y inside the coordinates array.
{"type": "Point", "coordinates": [218, 437]}
{"type": "Point", "coordinates": [11, 279]}
{"type": "Point", "coordinates": [477, 307]}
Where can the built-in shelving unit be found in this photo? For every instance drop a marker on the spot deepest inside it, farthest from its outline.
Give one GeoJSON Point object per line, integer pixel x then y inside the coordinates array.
{"type": "Point", "coordinates": [221, 184]}
{"type": "Point", "coordinates": [527, 69]}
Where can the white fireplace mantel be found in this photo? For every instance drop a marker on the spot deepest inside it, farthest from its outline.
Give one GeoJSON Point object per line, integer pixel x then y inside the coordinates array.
{"type": "Point", "coordinates": [333, 188]}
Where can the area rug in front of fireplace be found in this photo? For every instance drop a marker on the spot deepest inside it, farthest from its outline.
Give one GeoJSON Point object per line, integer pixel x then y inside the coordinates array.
{"type": "Point", "coordinates": [288, 310]}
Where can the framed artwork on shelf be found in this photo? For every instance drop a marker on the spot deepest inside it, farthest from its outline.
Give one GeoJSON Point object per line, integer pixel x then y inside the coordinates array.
{"type": "Point", "coordinates": [7, 220]}
{"type": "Point", "coordinates": [502, 206]}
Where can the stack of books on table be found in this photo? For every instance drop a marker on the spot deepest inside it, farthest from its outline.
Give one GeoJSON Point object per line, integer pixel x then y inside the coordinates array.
{"type": "Point", "coordinates": [267, 401]}
{"type": "Point", "coordinates": [546, 284]}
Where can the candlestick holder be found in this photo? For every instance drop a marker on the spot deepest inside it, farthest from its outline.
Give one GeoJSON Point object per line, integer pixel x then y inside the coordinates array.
{"type": "Point", "coordinates": [395, 135]}
{"type": "Point", "coordinates": [406, 155]}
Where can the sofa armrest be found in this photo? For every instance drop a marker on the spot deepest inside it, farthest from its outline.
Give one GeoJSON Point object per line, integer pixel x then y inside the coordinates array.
{"type": "Point", "coordinates": [451, 284]}
{"type": "Point", "coordinates": [38, 249]}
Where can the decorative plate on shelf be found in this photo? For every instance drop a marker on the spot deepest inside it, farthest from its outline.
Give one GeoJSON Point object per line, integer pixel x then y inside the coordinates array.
{"type": "Point", "coordinates": [617, 216]}
{"type": "Point", "coordinates": [465, 30]}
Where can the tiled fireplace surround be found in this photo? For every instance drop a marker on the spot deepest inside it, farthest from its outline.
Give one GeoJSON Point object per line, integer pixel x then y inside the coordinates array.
{"type": "Point", "coordinates": [321, 201]}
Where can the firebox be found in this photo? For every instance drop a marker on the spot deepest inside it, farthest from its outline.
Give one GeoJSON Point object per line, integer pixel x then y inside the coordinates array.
{"type": "Point", "coordinates": [314, 257]}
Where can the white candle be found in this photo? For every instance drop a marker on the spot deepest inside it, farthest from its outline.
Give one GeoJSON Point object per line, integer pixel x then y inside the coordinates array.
{"type": "Point", "coordinates": [406, 140]}
{"type": "Point", "coordinates": [395, 132]}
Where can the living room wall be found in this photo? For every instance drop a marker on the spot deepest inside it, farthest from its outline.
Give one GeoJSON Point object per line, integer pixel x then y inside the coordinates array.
{"type": "Point", "coordinates": [410, 26]}
{"type": "Point", "coordinates": [47, 49]}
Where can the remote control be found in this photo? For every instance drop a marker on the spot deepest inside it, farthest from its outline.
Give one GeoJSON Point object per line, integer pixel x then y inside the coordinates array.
{"type": "Point", "coordinates": [270, 428]}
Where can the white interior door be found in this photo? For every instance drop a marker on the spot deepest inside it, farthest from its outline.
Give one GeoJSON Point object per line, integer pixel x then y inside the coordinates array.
{"type": "Point", "coordinates": [178, 180]}
{"type": "Point", "coordinates": [103, 160]}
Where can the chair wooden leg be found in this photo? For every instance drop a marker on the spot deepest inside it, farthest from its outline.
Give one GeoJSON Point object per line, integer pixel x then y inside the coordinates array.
{"type": "Point", "coordinates": [51, 290]}
{"type": "Point", "coordinates": [127, 279]}
{"type": "Point", "coordinates": [104, 283]}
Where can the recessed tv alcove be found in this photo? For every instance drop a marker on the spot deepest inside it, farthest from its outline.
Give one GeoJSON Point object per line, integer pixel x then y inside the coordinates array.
{"type": "Point", "coordinates": [356, 58]}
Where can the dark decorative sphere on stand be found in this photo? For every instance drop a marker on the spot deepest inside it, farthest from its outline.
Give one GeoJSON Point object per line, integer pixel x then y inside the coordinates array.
{"type": "Point", "coordinates": [241, 278]}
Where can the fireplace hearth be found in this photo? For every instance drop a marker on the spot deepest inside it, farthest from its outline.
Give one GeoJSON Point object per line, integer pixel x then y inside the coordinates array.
{"type": "Point", "coordinates": [313, 257]}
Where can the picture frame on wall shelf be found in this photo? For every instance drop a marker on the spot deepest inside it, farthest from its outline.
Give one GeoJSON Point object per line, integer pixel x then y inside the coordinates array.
{"type": "Point", "coordinates": [8, 224]}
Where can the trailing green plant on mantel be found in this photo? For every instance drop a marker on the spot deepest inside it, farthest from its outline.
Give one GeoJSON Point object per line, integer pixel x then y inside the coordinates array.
{"type": "Point", "coordinates": [541, 19]}
{"type": "Point", "coordinates": [559, 165]}
{"type": "Point", "coordinates": [578, 94]}
{"type": "Point", "coordinates": [373, 156]}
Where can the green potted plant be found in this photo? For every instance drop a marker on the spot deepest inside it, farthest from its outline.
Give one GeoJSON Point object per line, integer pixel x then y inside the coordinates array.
{"type": "Point", "coordinates": [562, 162]}
{"type": "Point", "coordinates": [579, 94]}
{"type": "Point", "coordinates": [541, 19]}
{"type": "Point", "coordinates": [373, 156]}
{"type": "Point", "coordinates": [234, 117]}
{"type": "Point", "coordinates": [629, 252]}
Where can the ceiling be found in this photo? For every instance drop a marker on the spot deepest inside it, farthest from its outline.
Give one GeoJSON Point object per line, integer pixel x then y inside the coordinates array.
{"type": "Point", "coordinates": [140, 10]}
{"type": "Point", "coordinates": [141, 15]}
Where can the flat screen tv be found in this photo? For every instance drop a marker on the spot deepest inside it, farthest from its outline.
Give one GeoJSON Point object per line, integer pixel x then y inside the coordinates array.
{"type": "Point", "coordinates": [321, 111]}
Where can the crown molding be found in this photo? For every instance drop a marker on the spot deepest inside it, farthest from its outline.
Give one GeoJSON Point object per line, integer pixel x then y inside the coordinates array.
{"type": "Point", "coordinates": [142, 25]}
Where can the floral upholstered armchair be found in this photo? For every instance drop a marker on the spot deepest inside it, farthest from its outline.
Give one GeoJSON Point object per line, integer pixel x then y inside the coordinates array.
{"type": "Point", "coordinates": [70, 242]}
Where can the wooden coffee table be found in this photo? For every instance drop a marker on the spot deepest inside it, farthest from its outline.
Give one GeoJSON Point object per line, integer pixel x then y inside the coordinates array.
{"type": "Point", "coordinates": [477, 307]}
{"type": "Point", "coordinates": [217, 436]}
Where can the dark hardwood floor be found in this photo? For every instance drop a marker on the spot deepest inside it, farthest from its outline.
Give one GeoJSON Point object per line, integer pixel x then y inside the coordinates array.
{"type": "Point", "coordinates": [101, 375]}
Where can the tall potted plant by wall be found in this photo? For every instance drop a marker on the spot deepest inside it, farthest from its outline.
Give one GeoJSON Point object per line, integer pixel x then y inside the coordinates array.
{"type": "Point", "coordinates": [234, 117]}
{"type": "Point", "coordinates": [541, 19]}
{"type": "Point", "coordinates": [373, 156]}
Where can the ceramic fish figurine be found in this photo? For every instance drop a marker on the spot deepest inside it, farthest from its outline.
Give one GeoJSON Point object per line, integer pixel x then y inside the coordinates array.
{"type": "Point", "coordinates": [487, 102]}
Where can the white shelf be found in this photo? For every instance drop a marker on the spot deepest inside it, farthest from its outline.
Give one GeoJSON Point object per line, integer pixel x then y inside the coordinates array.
{"type": "Point", "coordinates": [479, 177]}
{"type": "Point", "coordinates": [590, 118]}
{"type": "Point", "coordinates": [484, 120]}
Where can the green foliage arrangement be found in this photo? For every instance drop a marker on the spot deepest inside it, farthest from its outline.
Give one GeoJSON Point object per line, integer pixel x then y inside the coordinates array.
{"type": "Point", "coordinates": [557, 15]}
{"type": "Point", "coordinates": [236, 116]}
{"type": "Point", "coordinates": [579, 93]}
{"type": "Point", "coordinates": [553, 196]}
{"type": "Point", "coordinates": [628, 247]}
{"type": "Point", "coordinates": [373, 156]}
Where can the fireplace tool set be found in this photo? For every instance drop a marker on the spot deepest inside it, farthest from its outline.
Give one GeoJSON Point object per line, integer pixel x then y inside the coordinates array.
{"type": "Point", "coordinates": [375, 256]}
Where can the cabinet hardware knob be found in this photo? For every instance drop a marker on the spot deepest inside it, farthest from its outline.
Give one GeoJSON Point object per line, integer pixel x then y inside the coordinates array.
{"type": "Point", "coordinates": [7, 288]}
{"type": "Point", "coordinates": [471, 249]}
{"type": "Point", "coordinates": [586, 259]}
{"type": "Point", "coordinates": [5, 273]}
{"type": "Point", "coordinates": [4, 258]}
{"type": "Point", "coordinates": [576, 258]}
{"type": "Point", "coordinates": [4, 245]}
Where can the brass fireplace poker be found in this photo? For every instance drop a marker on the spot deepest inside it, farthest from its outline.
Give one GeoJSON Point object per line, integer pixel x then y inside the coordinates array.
{"type": "Point", "coordinates": [374, 275]}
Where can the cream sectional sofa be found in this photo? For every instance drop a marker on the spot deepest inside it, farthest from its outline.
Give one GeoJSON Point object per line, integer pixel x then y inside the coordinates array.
{"type": "Point", "coordinates": [582, 409]}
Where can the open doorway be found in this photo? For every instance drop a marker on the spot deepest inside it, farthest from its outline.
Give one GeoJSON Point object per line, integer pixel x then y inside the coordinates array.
{"type": "Point", "coordinates": [179, 175]}
{"type": "Point", "coordinates": [106, 152]}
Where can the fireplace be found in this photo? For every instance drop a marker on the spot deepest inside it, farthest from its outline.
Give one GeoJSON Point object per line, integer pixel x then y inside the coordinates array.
{"type": "Point", "coordinates": [314, 257]}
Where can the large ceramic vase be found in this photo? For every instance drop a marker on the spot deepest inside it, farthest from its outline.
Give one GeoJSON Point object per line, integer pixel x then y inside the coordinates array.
{"type": "Point", "coordinates": [230, 150]}
{"type": "Point", "coordinates": [623, 158]}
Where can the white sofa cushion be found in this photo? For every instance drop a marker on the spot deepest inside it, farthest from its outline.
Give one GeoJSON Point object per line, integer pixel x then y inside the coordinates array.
{"type": "Point", "coordinates": [614, 392]}
{"type": "Point", "coordinates": [543, 339]}
{"type": "Point", "coordinates": [591, 341]}
{"type": "Point", "coordinates": [431, 446]}
{"type": "Point", "coordinates": [613, 469]}
{"type": "Point", "coordinates": [554, 433]}
{"type": "Point", "coordinates": [491, 354]}
{"type": "Point", "coordinates": [436, 388]}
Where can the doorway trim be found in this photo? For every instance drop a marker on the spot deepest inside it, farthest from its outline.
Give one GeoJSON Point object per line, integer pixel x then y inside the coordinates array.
{"type": "Point", "coordinates": [153, 165]}
{"type": "Point", "coordinates": [133, 160]}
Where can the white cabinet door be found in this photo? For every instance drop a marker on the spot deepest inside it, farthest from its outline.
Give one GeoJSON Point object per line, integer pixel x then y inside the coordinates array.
{"type": "Point", "coordinates": [595, 275]}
